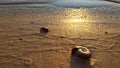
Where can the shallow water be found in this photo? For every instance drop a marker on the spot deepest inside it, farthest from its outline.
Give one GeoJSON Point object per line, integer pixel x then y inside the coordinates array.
{"type": "Point", "coordinates": [59, 3]}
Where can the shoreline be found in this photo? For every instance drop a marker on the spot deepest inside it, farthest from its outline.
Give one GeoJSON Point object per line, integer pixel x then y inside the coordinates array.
{"type": "Point", "coordinates": [113, 1]}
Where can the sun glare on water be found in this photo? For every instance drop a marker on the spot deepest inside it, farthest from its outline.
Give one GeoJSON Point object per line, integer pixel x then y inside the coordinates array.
{"type": "Point", "coordinates": [76, 20]}
{"type": "Point", "coordinates": [75, 16]}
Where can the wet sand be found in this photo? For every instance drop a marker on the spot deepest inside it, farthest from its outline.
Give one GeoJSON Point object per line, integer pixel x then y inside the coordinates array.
{"type": "Point", "coordinates": [22, 46]}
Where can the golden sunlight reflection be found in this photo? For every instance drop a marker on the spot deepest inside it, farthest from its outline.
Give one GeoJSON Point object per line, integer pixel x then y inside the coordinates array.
{"type": "Point", "coordinates": [77, 16]}
{"type": "Point", "coordinates": [77, 22]}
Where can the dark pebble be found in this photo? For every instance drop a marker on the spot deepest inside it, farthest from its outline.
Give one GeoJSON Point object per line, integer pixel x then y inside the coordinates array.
{"type": "Point", "coordinates": [43, 31]}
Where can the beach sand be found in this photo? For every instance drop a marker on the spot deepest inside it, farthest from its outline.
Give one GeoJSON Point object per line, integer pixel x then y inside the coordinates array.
{"type": "Point", "coordinates": [23, 46]}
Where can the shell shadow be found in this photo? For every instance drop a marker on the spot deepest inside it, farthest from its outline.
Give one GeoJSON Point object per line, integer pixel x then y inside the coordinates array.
{"type": "Point", "coordinates": [80, 57]}
{"type": "Point", "coordinates": [77, 62]}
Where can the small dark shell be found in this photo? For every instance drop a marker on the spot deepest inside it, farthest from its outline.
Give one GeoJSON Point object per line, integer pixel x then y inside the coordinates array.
{"type": "Point", "coordinates": [77, 51]}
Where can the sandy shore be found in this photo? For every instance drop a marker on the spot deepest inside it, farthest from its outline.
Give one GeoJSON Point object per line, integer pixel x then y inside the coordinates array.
{"type": "Point", "coordinates": [21, 45]}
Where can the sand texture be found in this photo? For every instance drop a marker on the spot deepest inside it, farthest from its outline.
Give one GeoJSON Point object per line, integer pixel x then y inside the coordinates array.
{"type": "Point", "coordinates": [23, 46]}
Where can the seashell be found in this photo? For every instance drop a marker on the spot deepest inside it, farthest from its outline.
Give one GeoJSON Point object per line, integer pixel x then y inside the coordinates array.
{"type": "Point", "coordinates": [81, 52]}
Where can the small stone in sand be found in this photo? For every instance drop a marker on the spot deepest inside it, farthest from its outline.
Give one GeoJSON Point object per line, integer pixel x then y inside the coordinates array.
{"type": "Point", "coordinates": [43, 31]}
{"type": "Point", "coordinates": [106, 32]}
{"type": "Point", "coordinates": [32, 22]}
{"type": "Point", "coordinates": [20, 39]}
{"type": "Point", "coordinates": [11, 45]}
